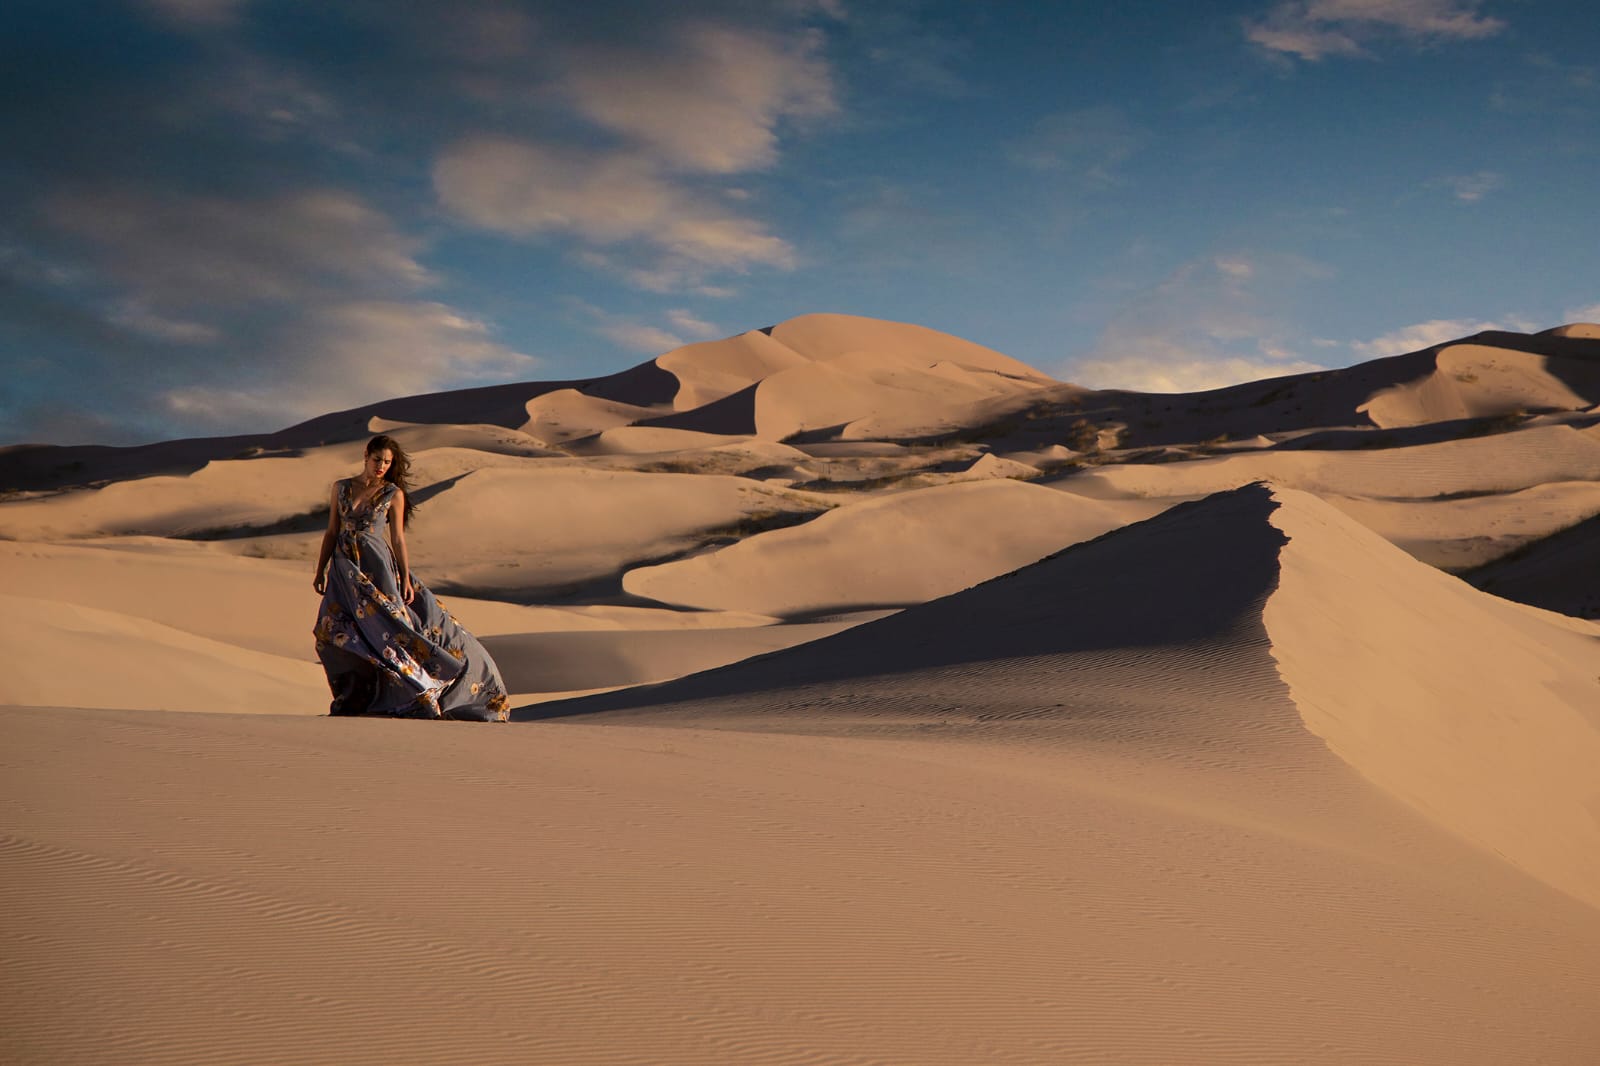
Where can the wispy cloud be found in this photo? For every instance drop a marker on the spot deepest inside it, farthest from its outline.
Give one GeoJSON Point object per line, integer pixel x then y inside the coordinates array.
{"type": "Point", "coordinates": [267, 309]}
{"type": "Point", "coordinates": [349, 354]}
{"type": "Point", "coordinates": [1317, 29]}
{"type": "Point", "coordinates": [1205, 326]}
{"type": "Point", "coordinates": [1471, 188]}
{"type": "Point", "coordinates": [1087, 143]}
{"type": "Point", "coordinates": [602, 199]}
{"type": "Point", "coordinates": [170, 250]}
{"type": "Point", "coordinates": [709, 99]}
{"type": "Point", "coordinates": [132, 315]}
{"type": "Point", "coordinates": [1422, 335]}
{"type": "Point", "coordinates": [689, 324]}
{"type": "Point", "coordinates": [662, 122]}
{"type": "Point", "coordinates": [637, 337]}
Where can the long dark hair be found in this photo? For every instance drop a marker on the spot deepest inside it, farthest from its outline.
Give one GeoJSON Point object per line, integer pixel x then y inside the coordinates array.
{"type": "Point", "coordinates": [399, 472]}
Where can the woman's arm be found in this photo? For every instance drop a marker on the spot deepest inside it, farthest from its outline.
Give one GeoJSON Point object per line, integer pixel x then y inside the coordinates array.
{"type": "Point", "coordinates": [320, 581]}
{"type": "Point", "coordinates": [397, 540]}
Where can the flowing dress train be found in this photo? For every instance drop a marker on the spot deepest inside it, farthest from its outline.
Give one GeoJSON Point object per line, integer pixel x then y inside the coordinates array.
{"type": "Point", "coordinates": [384, 656]}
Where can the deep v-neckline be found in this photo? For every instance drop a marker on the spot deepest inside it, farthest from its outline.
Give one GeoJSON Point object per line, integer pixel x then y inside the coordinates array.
{"type": "Point", "coordinates": [356, 504]}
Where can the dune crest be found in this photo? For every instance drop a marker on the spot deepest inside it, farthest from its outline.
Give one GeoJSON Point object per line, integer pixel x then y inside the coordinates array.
{"type": "Point", "coordinates": [1479, 713]}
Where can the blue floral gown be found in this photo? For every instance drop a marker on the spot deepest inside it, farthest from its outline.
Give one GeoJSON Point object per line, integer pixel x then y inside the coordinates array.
{"type": "Point", "coordinates": [384, 656]}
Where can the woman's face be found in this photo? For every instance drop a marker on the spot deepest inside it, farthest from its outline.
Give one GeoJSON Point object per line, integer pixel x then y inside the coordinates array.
{"type": "Point", "coordinates": [378, 463]}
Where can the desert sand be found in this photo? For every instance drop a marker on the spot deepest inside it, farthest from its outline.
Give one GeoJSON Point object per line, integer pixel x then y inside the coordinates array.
{"type": "Point", "coordinates": [877, 699]}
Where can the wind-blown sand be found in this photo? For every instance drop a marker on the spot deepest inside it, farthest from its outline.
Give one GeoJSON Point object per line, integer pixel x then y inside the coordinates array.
{"type": "Point", "coordinates": [1153, 747]}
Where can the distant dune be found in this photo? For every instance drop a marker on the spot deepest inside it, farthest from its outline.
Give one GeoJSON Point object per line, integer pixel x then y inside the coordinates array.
{"type": "Point", "coordinates": [877, 698]}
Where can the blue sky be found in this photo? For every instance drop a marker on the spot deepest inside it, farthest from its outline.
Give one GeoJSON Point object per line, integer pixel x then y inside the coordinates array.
{"type": "Point", "coordinates": [225, 216]}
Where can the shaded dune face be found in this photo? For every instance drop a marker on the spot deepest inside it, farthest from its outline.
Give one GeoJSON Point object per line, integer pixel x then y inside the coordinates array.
{"type": "Point", "coordinates": [1161, 618]}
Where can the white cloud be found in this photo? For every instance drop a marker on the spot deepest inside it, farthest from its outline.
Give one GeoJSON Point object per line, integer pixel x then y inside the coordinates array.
{"type": "Point", "coordinates": [1315, 29]}
{"type": "Point", "coordinates": [687, 323]}
{"type": "Point", "coordinates": [353, 353]}
{"type": "Point", "coordinates": [1177, 371]}
{"type": "Point", "coordinates": [652, 340]}
{"type": "Point", "coordinates": [1470, 188]}
{"type": "Point", "coordinates": [1422, 335]}
{"type": "Point", "coordinates": [1591, 313]}
{"type": "Point", "coordinates": [707, 98]}
{"type": "Point", "coordinates": [207, 251]}
{"type": "Point", "coordinates": [132, 315]}
{"type": "Point", "coordinates": [601, 199]}
{"type": "Point", "coordinates": [1202, 327]}
{"type": "Point", "coordinates": [643, 337]}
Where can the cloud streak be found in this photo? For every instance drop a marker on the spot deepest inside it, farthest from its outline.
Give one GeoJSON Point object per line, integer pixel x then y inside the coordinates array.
{"type": "Point", "coordinates": [602, 199]}
{"type": "Point", "coordinates": [709, 101]}
{"type": "Point", "coordinates": [1472, 188]}
{"type": "Point", "coordinates": [348, 354]}
{"type": "Point", "coordinates": [210, 251]}
{"type": "Point", "coordinates": [1316, 29]}
{"type": "Point", "coordinates": [1422, 335]}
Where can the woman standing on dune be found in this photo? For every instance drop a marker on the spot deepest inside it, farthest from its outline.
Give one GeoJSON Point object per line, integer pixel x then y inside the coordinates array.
{"type": "Point", "coordinates": [386, 644]}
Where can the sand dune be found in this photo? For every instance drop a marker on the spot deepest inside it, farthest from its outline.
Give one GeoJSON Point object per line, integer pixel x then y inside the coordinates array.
{"type": "Point", "coordinates": [223, 494]}
{"type": "Point", "coordinates": [1557, 573]}
{"type": "Point", "coordinates": [1177, 747]}
{"type": "Point", "coordinates": [1477, 381]}
{"type": "Point", "coordinates": [571, 415]}
{"type": "Point", "coordinates": [649, 440]}
{"type": "Point", "coordinates": [714, 370]}
{"type": "Point", "coordinates": [1458, 533]}
{"type": "Point", "coordinates": [1480, 714]}
{"type": "Point", "coordinates": [585, 524]}
{"type": "Point", "coordinates": [483, 439]}
{"type": "Point", "coordinates": [117, 659]}
{"type": "Point", "coordinates": [1504, 463]}
{"type": "Point", "coordinates": [556, 661]}
{"type": "Point", "coordinates": [1413, 677]}
{"type": "Point", "coordinates": [840, 338]}
{"type": "Point", "coordinates": [890, 551]}
{"type": "Point", "coordinates": [261, 605]}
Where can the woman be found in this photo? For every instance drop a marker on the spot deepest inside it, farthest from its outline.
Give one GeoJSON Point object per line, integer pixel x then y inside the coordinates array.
{"type": "Point", "coordinates": [386, 644]}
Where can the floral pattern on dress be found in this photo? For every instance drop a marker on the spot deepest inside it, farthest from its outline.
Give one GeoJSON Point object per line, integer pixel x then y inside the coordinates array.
{"type": "Point", "coordinates": [384, 656]}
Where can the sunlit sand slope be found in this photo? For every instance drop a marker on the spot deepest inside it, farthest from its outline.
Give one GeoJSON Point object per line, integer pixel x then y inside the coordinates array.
{"type": "Point", "coordinates": [893, 550]}
{"type": "Point", "coordinates": [1478, 381]}
{"type": "Point", "coordinates": [75, 656]}
{"type": "Point", "coordinates": [1503, 463]}
{"type": "Point", "coordinates": [1483, 715]}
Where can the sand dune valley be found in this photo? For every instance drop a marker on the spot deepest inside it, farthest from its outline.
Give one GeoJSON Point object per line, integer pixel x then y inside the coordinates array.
{"type": "Point", "coordinates": [878, 700]}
